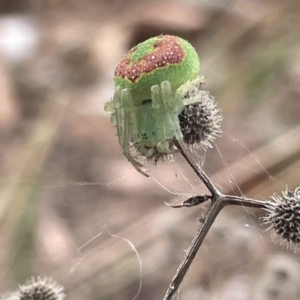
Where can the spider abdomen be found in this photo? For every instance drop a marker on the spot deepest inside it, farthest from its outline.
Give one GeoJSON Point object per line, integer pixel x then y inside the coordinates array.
{"type": "Point", "coordinates": [157, 59]}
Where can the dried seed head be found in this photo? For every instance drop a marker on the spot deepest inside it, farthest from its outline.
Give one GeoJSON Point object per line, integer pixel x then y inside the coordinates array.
{"type": "Point", "coordinates": [284, 218]}
{"type": "Point", "coordinates": [37, 288]}
{"type": "Point", "coordinates": [200, 122]}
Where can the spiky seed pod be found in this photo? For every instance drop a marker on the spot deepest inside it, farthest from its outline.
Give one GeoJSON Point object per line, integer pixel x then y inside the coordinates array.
{"type": "Point", "coordinates": [41, 288]}
{"type": "Point", "coordinates": [200, 122]}
{"type": "Point", "coordinates": [37, 288]}
{"type": "Point", "coordinates": [284, 218]}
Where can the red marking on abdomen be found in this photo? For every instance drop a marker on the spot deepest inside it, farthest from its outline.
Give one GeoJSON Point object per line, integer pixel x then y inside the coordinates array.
{"type": "Point", "coordinates": [166, 50]}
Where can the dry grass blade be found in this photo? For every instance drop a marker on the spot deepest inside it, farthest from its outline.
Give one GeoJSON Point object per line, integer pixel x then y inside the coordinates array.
{"type": "Point", "coordinates": [23, 179]}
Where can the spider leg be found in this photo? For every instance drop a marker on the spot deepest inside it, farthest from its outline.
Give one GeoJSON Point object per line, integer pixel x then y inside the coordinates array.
{"type": "Point", "coordinates": [183, 90]}
{"type": "Point", "coordinates": [161, 119]}
{"type": "Point", "coordinates": [189, 93]}
{"type": "Point", "coordinates": [171, 112]}
{"type": "Point", "coordinates": [119, 114]}
{"type": "Point", "coordinates": [199, 80]}
{"type": "Point", "coordinates": [126, 120]}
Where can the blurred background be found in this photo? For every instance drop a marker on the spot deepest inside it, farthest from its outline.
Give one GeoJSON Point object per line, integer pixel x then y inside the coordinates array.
{"type": "Point", "coordinates": [71, 206]}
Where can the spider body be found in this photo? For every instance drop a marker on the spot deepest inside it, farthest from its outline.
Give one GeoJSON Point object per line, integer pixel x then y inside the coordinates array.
{"type": "Point", "coordinates": [152, 83]}
{"type": "Point", "coordinates": [153, 61]}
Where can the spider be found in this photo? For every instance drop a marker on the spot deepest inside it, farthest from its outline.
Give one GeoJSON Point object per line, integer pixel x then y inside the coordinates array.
{"type": "Point", "coordinates": [155, 81]}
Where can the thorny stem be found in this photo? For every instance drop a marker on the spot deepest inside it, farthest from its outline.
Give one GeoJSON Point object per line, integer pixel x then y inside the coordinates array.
{"type": "Point", "coordinates": [218, 201]}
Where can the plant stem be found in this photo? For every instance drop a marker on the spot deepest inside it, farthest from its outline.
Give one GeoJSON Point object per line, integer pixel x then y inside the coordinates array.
{"type": "Point", "coordinates": [218, 201]}
{"type": "Point", "coordinates": [199, 172]}
{"type": "Point", "coordinates": [203, 229]}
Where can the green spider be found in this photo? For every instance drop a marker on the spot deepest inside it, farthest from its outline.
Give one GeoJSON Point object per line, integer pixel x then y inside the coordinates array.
{"type": "Point", "coordinates": [155, 81]}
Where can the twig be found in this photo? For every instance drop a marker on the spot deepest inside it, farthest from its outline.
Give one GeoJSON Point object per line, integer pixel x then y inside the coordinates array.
{"type": "Point", "coordinates": [199, 172]}
{"type": "Point", "coordinates": [203, 229]}
{"type": "Point", "coordinates": [218, 201]}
